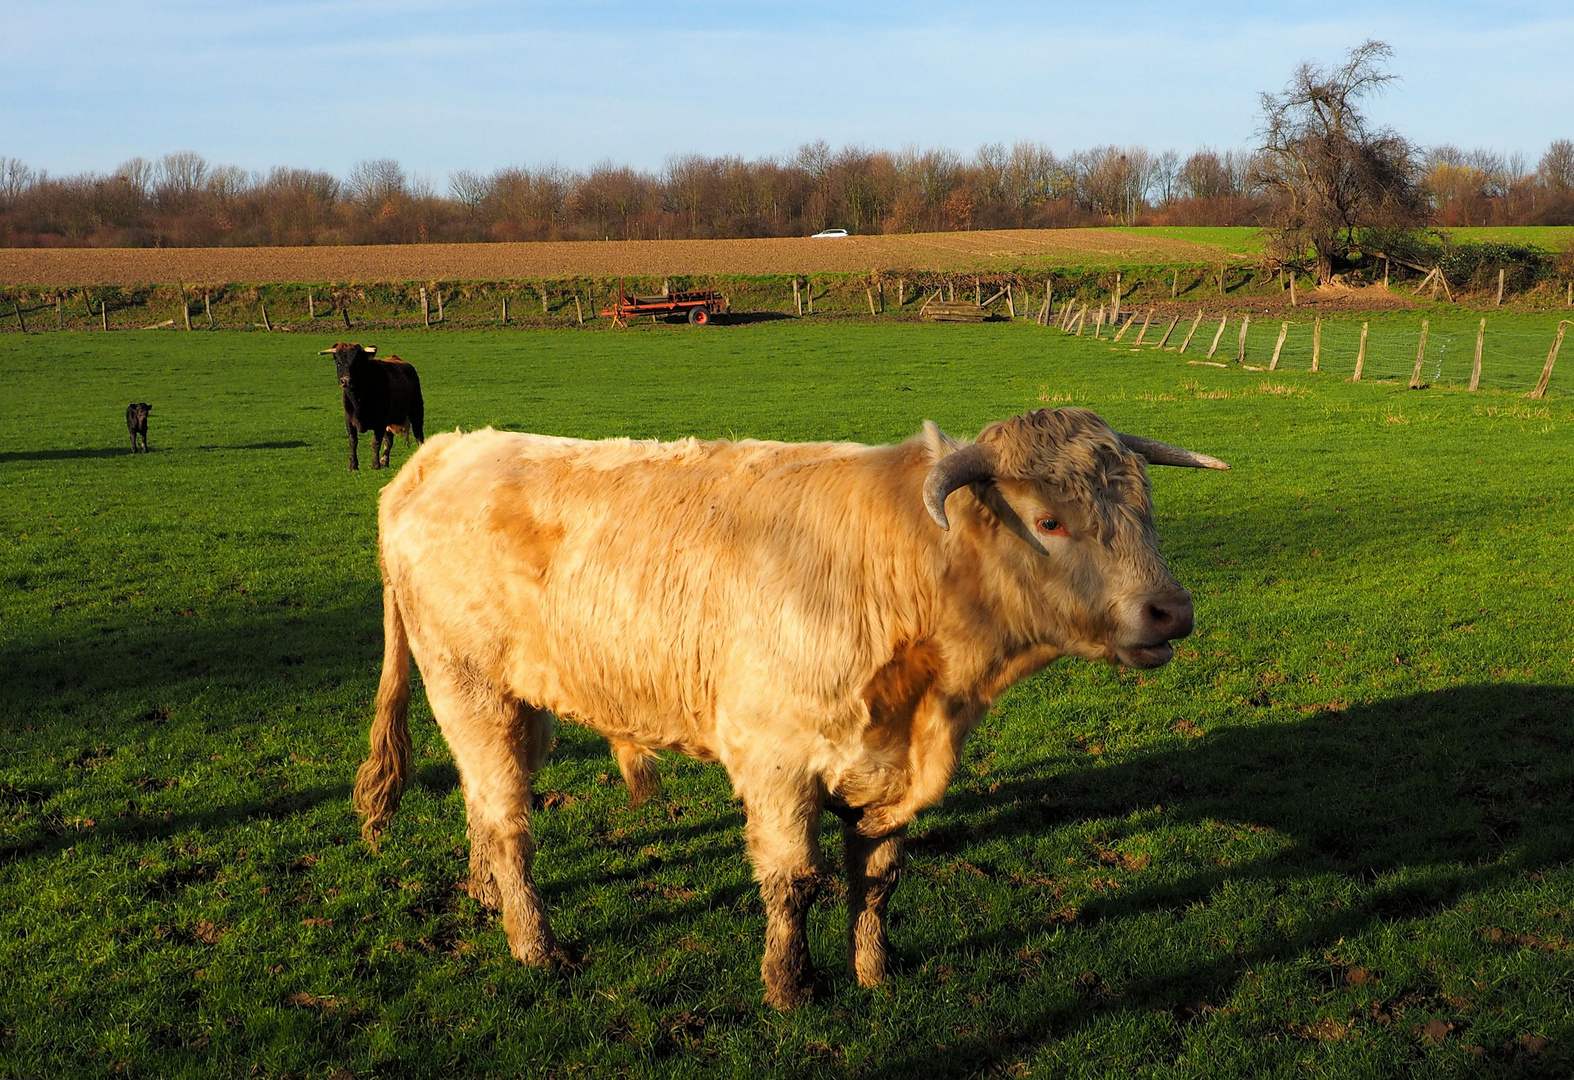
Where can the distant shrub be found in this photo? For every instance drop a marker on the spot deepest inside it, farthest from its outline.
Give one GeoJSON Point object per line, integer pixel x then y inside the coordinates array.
{"type": "Point", "coordinates": [1474, 266]}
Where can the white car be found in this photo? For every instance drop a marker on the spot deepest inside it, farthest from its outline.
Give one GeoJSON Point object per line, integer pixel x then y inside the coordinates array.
{"type": "Point", "coordinates": [828, 234]}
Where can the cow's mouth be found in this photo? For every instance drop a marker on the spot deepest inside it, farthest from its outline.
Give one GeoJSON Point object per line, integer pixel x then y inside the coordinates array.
{"type": "Point", "coordinates": [1147, 656]}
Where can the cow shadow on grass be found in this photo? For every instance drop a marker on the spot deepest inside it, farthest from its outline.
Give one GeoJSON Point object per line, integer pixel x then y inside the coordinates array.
{"type": "Point", "coordinates": [67, 454]}
{"type": "Point", "coordinates": [1416, 802]}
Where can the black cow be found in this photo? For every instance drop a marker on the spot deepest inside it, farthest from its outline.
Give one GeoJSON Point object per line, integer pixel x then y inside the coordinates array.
{"type": "Point", "coordinates": [380, 396]}
{"type": "Point", "coordinates": [137, 423]}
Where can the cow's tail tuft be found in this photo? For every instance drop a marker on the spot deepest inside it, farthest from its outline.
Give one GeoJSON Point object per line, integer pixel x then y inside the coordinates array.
{"type": "Point", "coordinates": [382, 776]}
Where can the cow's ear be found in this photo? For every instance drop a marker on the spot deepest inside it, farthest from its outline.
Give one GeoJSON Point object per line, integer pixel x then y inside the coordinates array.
{"type": "Point", "coordinates": [940, 444]}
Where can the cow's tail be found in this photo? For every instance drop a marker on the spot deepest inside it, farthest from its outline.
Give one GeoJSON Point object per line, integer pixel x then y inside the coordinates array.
{"type": "Point", "coordinates": [382, 776]}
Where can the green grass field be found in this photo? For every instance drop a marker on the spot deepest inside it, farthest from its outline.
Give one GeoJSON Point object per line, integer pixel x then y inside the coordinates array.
{"type": "Point", "coordinates": [1332, 838]}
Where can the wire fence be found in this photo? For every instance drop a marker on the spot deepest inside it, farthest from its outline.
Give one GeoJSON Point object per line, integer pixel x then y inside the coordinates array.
{"type": "Point", "coordinates": [1514, 347]}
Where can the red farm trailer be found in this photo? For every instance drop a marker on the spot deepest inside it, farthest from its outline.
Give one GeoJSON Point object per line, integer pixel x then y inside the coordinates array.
{"type": "Point", "coordinates": [700, 305]}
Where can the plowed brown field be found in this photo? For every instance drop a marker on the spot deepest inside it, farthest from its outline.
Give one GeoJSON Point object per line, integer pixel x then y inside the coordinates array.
{"type": "Point", "coordinates": [958, 251]}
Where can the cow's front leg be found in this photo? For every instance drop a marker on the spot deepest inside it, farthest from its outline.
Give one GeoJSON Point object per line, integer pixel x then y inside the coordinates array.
{"type": "Point", "coordinates": [873, 867]}
{"type": "Point", "coordinates": [784, 846]}
{"type": "Point", "coordinates": [355, 445]}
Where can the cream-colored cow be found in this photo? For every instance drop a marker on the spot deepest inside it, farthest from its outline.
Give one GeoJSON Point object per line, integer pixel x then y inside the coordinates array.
{"type": "Point", "coordinates": [815, 617]}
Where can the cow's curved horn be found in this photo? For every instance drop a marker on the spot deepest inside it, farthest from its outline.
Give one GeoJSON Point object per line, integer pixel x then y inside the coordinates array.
{"type": "Point", "coordinates": [968, 465]}
{"type": "Point", "coordinates": [1159, 453]}
{"type": "Point", "coordinates": [326, 352]}
{"type": "Point", "coordinates": [368, 349]}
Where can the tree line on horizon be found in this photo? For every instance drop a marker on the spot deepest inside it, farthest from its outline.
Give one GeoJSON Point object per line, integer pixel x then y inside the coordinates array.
{"type": "Point", "coordinates": [181, 200]}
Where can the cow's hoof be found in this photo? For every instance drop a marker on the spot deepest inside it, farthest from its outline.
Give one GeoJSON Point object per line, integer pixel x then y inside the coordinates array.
{"type": "Point", "coordinates": [548, 958]}
{"type": "Point", "coordinates": [484, 891]}
{"type": "Point", "coordinates": [784, 997]}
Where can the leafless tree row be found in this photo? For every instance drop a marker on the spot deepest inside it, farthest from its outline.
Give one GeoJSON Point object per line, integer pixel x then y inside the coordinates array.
{"type": "Point", "coordinates": [183, 200]}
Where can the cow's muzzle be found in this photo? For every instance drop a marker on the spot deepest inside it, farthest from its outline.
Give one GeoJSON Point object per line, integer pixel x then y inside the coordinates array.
{"type": "Point", "coordinates": [1151, 622]}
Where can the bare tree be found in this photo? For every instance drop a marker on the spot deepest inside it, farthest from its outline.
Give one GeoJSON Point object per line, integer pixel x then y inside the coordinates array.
{"type": "Point", "coordinates": [468, 189]}
{"type": "Point", "coordinates": [179, 178]}
{"type": "Point", "coordinates": [374, 183]}
{"type": "Point", "coordinates": [15, 178]}
{"type": "Point", "coordinates": [1556, 169]}
{"type": "Point", "coordinates": [1332, 173]}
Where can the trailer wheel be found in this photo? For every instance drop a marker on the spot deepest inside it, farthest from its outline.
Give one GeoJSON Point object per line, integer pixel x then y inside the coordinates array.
{"type": "Point", "coordinates": [699, 316]}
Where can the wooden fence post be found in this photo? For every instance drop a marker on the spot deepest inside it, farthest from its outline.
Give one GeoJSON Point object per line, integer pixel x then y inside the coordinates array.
{"type": "Point", "coordinates": [1168, 330]}
{"type": "Point", "coordinates": [1194, 324]}
{"type": "Point", "coordinates": [1360, 355]}
{"type": "Point", "coordinates": [1011, 302]}
{"type": "Point", "coordinates": [545, 310]}
{"type": "Point", "coordinates": [808, 290]}
{"type": "Point", "coordinates": [1082, 318]}
{"type": "Point", "coordinates": [426, 313]}
{"type": "Point", "coordinates": [1115, 314]}
{"type": "Point", "coordinates": [1499, 287]}
{"type": "Point", "coordinates": [1146, 319]}
{"type": "Point", "coordinates": [1240, 345]}
{"type": "Point", "coordinates": [1126, 327]}
{"type": "Point", "coordinates": [103, 312]}
{"type": "Point", "coordinates": [1098, 323]}
{"type": "Point", "coordinates": [578, 309]}
{"type": "Point", "coordinates": [207, 310]}
{"type": "Point", "coordinates": [1278, 346]}
{"type": "Point", "coordinates": [1317, 341]}
{"type": "Point", "coordinates": [17, 306]}
{"type": "Point", "coordinates": [60, 311]}
{"type": "Point", "coordinates": [797, 300]}
{"type": "Point", "coordinates": [869, 294]}
{"type": "Point", "coordinates": [1222, 269]}
{"type": "Point", "coordinates": [311, 305]}
{"type": "Point", "coordinates": [1174, 282]}
{"type": "Point", "coordinates": [1415, 376]}
{"type": "Point", "coordinates": [266, 323]}
{"type": "Point", "coordinates": [1292, 289]}
{"type": "Point", "coordinates": [505, 309]}
{"type": "Point", "coordinates": [345, 311]}
{"type": "Point", "coordinates": [1217, 334]}
{"type": "Point", "coordinates": [1475, 370]}
{"type": "Point", "coordinates": [901, 292]}
{"type": "Point", "coordinates": [439, 305]}
{"type": "Point", "coordinates": [185, 305]}
{"type": "Point", "coordinates": [1552, 358]}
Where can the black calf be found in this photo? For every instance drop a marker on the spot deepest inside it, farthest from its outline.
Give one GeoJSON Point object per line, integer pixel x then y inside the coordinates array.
{"type": "Point", "coordinates": [137, 423]}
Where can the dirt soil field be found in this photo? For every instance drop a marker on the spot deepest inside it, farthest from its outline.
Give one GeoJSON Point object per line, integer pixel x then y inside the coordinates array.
{"type": "Point", "coordinates": [958, 251]}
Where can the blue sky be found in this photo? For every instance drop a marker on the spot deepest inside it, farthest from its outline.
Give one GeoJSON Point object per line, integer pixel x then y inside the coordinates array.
{"type": "Point", "coordinates": [445, 86]}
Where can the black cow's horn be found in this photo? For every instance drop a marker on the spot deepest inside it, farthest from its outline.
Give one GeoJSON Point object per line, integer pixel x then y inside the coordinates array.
{"type": "Point", "coordinates": [1159, 453]}
{"type": "Point", "coordinates": [327, 352]}
{"type": "Point", "coordinates": [968, 465]}
{"type": "Point", "coordinates": [369, 349]}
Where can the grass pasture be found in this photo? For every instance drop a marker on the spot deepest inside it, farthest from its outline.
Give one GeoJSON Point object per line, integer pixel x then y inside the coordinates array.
{"type": "Point", "coordinates": [1332, 838]}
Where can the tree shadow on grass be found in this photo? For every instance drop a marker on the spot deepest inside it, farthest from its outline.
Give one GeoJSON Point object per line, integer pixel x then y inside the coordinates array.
{"type": "Point", "coordinates": [1423, 800]}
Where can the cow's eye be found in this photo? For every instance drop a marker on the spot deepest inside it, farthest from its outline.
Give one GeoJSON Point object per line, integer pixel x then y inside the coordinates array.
{"type": "Point", "coordinates": [1050, 525]}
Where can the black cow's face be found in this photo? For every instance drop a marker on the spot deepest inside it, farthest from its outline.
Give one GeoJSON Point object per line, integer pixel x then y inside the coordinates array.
{"type": "Point", "coordinates": [140, 410]}
{"type": "Point", "coordinates": [344, 355]}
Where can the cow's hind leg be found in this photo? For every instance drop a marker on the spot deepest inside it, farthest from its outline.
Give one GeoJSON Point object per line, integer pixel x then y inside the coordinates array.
{"type": "Point", "coordinates": [784, 845]}
{"type": "Point", "coordinates": [498, 744]}
{"type": "Point", "coordinates": [873, 866]}
{"type": "Point", "coordinates": [638, 766]}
